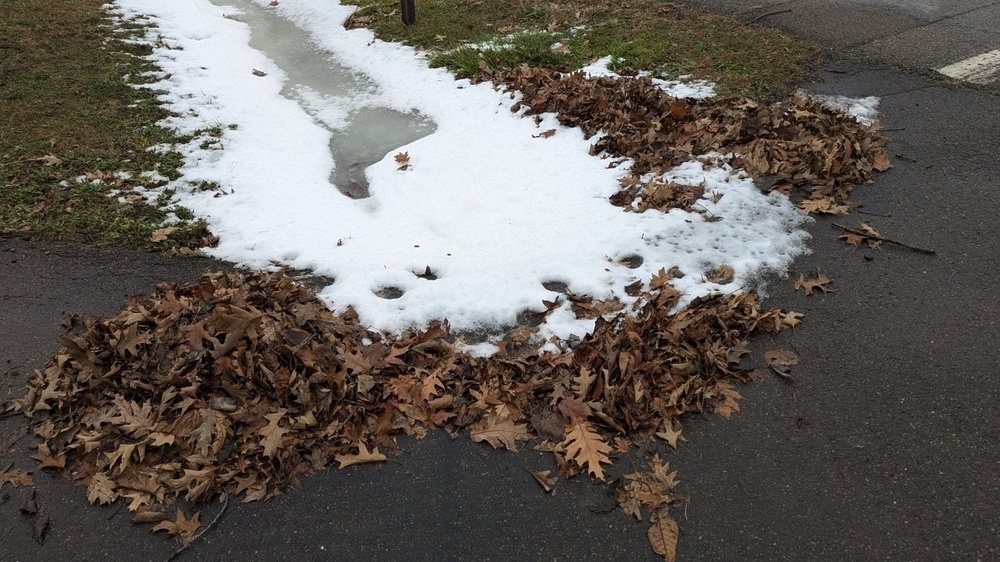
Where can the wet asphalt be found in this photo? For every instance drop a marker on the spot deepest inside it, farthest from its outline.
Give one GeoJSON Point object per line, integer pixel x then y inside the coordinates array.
{"type": "Point", "coordinates": [885, 446]}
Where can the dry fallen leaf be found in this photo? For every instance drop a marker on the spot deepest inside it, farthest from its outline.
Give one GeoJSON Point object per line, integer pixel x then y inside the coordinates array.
{"type": "Point", "coordinates": [361, 457]}
{"type": "Point", "coordinates": [546, 480]}
{"type": "Point", "coordinates": [586, 447]}
{"type": "Point", "coordinates": [501, 434]}
{"type": "Point", "coordinates": [403, 159]}
{"type": "Point", "coordinates": [256, 72]}
{"type": "Point", "coordinates": [181, 526]}
{"type": "Point", "coordinates": [161, 234]}
{"type": "Point", "coordinates": [781, 361]}
{"type": "Point", "coordinates": [670, 434]}
{"type": "Point", "coordinates": [813, 281]}
{"type": "Point", "coordinates": [15, 477]}
{"type": "Point", "coordinates": [880, 161]}
{"type": "Point", "coordinates": [663, 533]}
{"type": "Point", "coordinates": [722, 275]}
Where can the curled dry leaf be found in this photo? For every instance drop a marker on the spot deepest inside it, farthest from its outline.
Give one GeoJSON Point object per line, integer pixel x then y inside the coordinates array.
{"type": "Point", "coordinates": [546, 480]}
{"type": "Point", "coordinates": [781, 361]}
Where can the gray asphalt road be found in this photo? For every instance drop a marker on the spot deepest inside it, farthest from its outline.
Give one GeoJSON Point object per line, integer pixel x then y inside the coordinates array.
{"type": "Point", "coordinates": [924, 36]}
{"type": "Point", "coordinates": [884, 448]}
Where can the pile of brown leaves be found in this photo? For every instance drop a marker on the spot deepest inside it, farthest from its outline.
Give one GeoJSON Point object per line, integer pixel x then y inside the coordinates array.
{"type": "Point", "coordinates": [238, 384]}
{"type": "Point", "coordinates": [798, 143]}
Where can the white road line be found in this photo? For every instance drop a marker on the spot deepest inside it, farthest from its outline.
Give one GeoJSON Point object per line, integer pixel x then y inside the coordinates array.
{"type": "Point", "coordinates": [980, 69]}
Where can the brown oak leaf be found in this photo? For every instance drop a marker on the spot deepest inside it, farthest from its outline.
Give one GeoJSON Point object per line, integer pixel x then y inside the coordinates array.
{"type": "Point", "coordinates": [181, 526]}
{"type": "Point", "coordinates": [501, 434]}
{"type": "Point", "coordinates": [361, 457]}
{"type": "Point", "coordinates": [815, 280]}
{"type": "Point", "coordinates": [586, 447]}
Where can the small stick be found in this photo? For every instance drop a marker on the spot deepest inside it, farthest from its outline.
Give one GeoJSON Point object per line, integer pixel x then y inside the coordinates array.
{"type": "Point", "coordinates": [218, 516]}
{"type": "Point", "coordinates": [120, 504]}
{"type": "Point", "coordinates": [889, 240]}
{"type": "Point", "coordinates": [762, 16]}
{"type": "Point", "coordinates": [873, 214]}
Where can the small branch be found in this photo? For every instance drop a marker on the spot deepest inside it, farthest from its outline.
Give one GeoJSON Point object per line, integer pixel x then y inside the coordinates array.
{"type": "Point", "coordinates": [762, 16]}
{"type": "Point", "coordinates": [872, 214]}
{"type": "Point", "coordinates": [225, 504]}
{"type": "Point", "coordinates": [889, 240]}
{"type": "Point", "coordinates": [115, 512]}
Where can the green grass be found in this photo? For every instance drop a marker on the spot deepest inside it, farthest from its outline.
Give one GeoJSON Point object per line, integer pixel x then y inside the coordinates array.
{"type": "Point", "coordinates": [667, 40]}
{"type": "Point", "coordinates": [64, 94]}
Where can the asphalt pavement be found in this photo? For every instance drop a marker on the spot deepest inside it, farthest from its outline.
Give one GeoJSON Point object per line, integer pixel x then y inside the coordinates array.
{"type": "Point", "coordinates": [884, 447]}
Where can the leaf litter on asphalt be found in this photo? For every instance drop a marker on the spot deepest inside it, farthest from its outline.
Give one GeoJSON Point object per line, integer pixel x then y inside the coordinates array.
{"type": "Point", "coordinates": [240, 383]}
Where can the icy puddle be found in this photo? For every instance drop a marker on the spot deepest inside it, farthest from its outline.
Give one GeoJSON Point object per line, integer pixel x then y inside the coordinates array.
{"type": "Point", "coordinates": [336, 96]}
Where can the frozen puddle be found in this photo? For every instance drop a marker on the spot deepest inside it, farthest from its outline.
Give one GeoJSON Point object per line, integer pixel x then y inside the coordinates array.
{"type": "Point", "coordinates": [362, 134]}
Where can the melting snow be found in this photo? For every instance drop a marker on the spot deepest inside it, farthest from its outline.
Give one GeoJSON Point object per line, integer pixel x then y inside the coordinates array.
{"type": "Point", "coordinates": [492, 207]}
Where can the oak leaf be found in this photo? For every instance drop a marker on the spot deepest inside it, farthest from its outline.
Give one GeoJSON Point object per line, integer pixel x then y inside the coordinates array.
{"type": "Point", "coordinates": [272, 433]}
{"type": "Point", "coordinates": [16, 476]}
{"type": "Point", "coordinates": [181, 526]}
{"type": "Point", "coordinates": [361, 457]}
{"type": "Point", "coordinates": [586, 447]}
{"type": "Point", "coordinates": [670, 434]}
{"type": "Point", "coordinates": [101, 489]}
{"type": "Point", "coordinates": [814, 281]}
{"type": "Point", "coordinates": [501, 434]}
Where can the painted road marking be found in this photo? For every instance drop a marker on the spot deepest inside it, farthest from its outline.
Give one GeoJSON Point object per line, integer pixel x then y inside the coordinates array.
{"type": "Point", "coordinates": [980, 69]}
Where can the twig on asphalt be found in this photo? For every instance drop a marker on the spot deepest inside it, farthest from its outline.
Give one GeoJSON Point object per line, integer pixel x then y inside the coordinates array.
{"type": "Point", "coordinates": [873, 214]}
{"type": "Point", "coordinates": [115, 512]}
{"type": "Point", "coordinates": [14, 438]}
{"type": "Point", "coordinates": [225, 504]}
{"type": "Point", "coordinates": [762, 16]}
{"type": "Point", "coordinates": [889, 240]}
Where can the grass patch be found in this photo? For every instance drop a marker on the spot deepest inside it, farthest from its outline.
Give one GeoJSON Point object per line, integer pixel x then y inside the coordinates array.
{"type": "Point", "coordinates": [651, 35]}
{"type": "Point", "coordinates": [72, 129]}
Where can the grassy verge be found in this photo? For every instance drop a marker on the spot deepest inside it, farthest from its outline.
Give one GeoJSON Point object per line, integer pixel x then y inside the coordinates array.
{"type": "Point", "coordinates": [72, 129]}
{"type": "Point", "coordinates": [652, 35]}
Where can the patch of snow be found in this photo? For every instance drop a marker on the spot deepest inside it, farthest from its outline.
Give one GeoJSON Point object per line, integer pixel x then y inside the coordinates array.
{"type": "Point", "coordinates": [493, 208]}
{"type": "Point", "coordinates": [865, 110]}
{"type": "Point", "coordinates": [697, 89]}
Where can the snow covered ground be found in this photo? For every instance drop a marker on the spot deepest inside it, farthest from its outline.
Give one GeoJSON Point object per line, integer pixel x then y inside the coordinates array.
{"type": "Point", "coordinates": [491, 206]}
